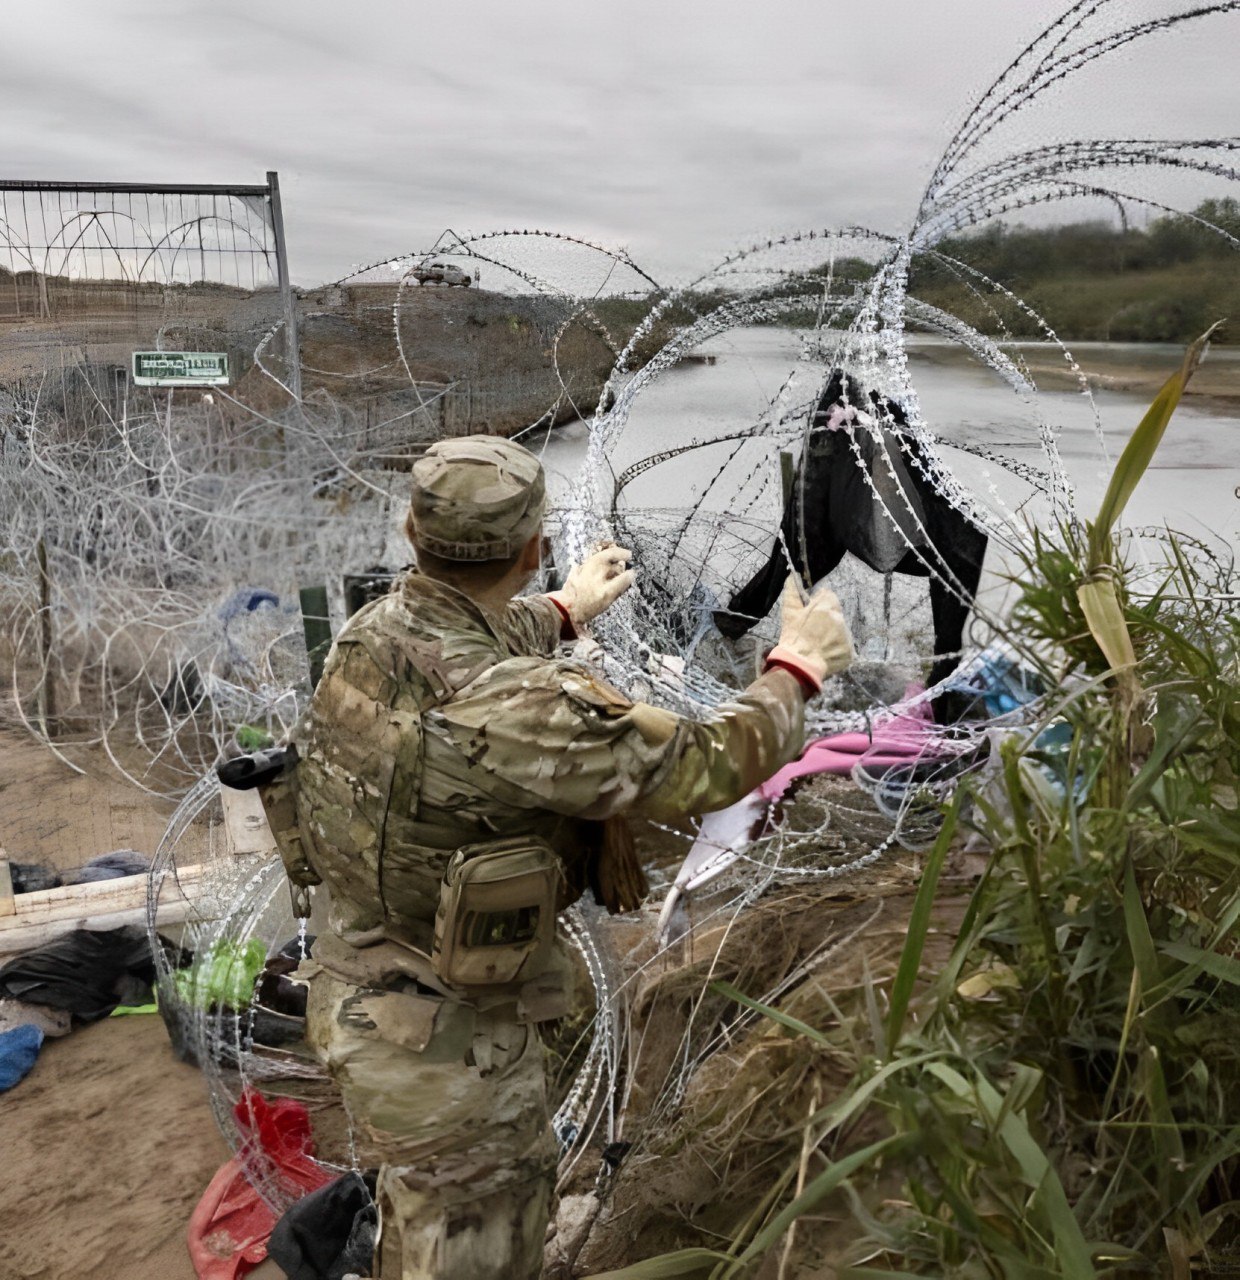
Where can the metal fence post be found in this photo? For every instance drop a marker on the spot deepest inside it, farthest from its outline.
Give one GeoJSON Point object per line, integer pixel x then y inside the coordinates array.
{"type": "Point", "coordinates": [286, 285]}
{"type": "Point", "coordinates": [46, 698]}
{"type": "Point", "coordinates": [317, 627]}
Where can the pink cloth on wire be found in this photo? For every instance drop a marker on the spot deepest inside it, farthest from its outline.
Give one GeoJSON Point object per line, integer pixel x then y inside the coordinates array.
{"type": "Point", "coordinates": [902, 737]}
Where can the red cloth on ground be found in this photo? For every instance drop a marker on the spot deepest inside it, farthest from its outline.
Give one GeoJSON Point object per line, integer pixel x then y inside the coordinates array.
{"type": "Point", "coordinates": [228, 1231]}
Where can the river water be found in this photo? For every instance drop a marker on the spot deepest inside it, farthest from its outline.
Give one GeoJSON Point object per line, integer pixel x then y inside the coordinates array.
{"type": "Point", "coordinates": [1192, 485]}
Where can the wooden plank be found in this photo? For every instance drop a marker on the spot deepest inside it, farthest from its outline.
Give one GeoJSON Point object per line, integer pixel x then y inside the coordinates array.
{"type": "Point", "coordinates": [246, 831]}
{"type": "Point", "coordinates": [32, 936]}
{"type": "Point", "coordinates": [104, 904]}
{"type": "Point", "coordinates": [7, 906]}
{"type": "Point", "coordinates": [101, 895]}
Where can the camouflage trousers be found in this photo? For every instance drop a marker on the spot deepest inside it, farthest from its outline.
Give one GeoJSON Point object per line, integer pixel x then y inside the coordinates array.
{"type": "Point", "coordinates": [449, 1102]}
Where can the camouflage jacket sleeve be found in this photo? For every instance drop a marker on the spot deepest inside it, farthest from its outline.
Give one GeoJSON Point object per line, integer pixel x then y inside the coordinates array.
{"type": "Point", "coordinates": [552, 735]}
{"type": "Point", "coordinates": [531, 626]}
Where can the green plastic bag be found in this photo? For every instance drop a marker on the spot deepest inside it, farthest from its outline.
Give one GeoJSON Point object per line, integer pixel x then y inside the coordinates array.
{"type": "Point", "coordinates": [132, 1010]}
{"type": "Point", "coordinates": [223, 975]}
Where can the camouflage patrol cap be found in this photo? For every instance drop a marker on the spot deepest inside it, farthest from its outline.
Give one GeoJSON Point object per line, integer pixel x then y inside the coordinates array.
{"type": "Point", "coordinates": [476, 498]}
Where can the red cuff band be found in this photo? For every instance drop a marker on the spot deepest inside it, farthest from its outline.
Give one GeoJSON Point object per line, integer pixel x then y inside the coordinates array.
{"type": "Point", "coordinates": [567, 630]}
{"type": "Point", "coordinates": [808, 686]}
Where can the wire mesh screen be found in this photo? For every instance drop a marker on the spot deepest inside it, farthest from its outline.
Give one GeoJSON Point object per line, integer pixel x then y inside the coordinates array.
{"type": "Point", "coordinates": [90, 274]}
{"type": "Point", "coordinates": [53, 237]}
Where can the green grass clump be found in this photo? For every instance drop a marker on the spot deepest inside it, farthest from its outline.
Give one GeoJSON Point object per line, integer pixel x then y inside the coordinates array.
{"type": "Point", "coordinates": [1071, 1098]}
{"type": "Point", "coordinates": [1070, 1095]}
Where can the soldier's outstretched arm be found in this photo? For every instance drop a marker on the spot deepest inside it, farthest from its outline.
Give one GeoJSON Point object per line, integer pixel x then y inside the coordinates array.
{"type": "Point", "coordinates": [711, 764]}
{"type": "Point", "coordinates": [554, 735]}
{"type": "Point", "coordinates": [537, 624]}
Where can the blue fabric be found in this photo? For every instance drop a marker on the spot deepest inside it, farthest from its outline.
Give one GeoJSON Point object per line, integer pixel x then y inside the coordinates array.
{"type": "Point", "coordinates": [247, 600]}
{"type": "Point", "coordinates": [1001, 684]}
{"type": "Point", "coordinates": [19, 1048]}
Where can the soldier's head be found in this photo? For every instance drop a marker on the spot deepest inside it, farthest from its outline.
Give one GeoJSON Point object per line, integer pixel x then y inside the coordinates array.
{"type": "Point", "coordinates": [476, 510]}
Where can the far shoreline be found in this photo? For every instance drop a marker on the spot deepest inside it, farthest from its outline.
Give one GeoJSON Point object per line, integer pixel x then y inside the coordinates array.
{"type": "Point", "coordinates": [1131, 368]}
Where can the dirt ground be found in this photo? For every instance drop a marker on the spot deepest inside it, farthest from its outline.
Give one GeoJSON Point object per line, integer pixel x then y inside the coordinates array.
{"type": "Point", "coordinates": [108, 1144]}
{"type": "Point", "coordinates": [51, 815]}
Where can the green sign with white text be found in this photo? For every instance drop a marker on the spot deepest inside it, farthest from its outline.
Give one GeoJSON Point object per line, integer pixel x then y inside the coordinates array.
{"type": "Point", "coordinates": [180, 369]}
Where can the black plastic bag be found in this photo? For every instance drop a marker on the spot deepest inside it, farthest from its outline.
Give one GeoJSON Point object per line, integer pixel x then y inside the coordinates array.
{"type": "Point", "coordinates": [329, 1233]}
{"type": "Point", "coordinates": [86, 972]}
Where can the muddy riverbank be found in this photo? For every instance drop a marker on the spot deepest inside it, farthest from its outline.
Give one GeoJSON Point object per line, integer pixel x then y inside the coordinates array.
{"type": "Point", "coordinates": [1134, 368]}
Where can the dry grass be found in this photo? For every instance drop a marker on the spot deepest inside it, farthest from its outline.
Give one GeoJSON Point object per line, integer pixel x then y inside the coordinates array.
{"type": "Point", "coordinates": [718, 1096]}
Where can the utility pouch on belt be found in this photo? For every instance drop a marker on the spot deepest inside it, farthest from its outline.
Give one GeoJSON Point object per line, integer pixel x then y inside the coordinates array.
{"type": "Point", "coordinates": [272, 772]}
{"type": "Point", "coordinates": [279, 799]}
{"type": "Point", "coordinates": [496, 918]}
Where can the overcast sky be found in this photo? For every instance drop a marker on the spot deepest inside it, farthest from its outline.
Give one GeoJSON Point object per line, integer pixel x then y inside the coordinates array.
{"type": "Point", "coordinates": [677, 128]}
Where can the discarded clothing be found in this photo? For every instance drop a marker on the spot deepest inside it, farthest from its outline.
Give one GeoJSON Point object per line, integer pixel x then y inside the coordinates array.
{"type": "Point", "coordinates": [903, 735]}
{"type": "Point", "coordinates": [109, 866]}
{"type": "Point", "coordinates": [86, 972]}
{"type": "Point", "coordinates": [722, 836]}
{"type": "Point", "coordinates": [29, 877]}
{"type": "Point", "coordinates": [276, 989]}
{"type": "Point", "coordinates": [299, 948]}
{"type": "Point", "coordinates": [282, 1129]}
{"type": "Point", "coordinates": [52, 1022]}
{"type": "Point", "coordinates": [994, 683]}
{"type": "Point", "coordinates": [278, 1011]}
{"type": "Point", "coordinates": [132, 1010]}
{"type": "Point", "coordinates": [903, 740]}
{"type": "Point", "coordinates": [833, 509]}
{"type": "Point", "coordinates": [228, 1230]}
{"type": "Point", "coordinates": [247, 600]}
{"type": "Point", "coordinates": [19, 1050]}
{"type": "Point", "coordinates": [329, 1233]}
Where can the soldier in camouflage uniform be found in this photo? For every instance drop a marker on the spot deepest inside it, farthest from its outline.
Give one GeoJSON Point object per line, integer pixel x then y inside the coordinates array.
{"type": "Point", "coordinates": [445, 721]}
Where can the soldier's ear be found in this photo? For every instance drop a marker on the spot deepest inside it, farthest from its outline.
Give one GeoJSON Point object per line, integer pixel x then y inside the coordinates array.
{"type": "Point", "coordinates": [531, 554]}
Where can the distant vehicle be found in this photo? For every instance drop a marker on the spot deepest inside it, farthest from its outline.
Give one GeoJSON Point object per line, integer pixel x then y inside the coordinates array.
{"type": "Point", "coordinates": [441, 273]}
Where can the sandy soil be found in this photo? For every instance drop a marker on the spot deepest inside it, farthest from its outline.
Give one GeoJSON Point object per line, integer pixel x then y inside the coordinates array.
{"type": "Point", "coordinates": [1125, 368]}
{"type": "Point", "coordinates": [51, 815]}
{"type": "Point", "coordinates": [108, 1145]}
{"type": "Point", "coordinates": [109, 1142]}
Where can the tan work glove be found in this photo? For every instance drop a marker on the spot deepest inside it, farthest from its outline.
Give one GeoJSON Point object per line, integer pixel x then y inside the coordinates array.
{"type": "Point", "coordinates": [595, 584]}
{"type": "Point", "coordinates": [813, 640]}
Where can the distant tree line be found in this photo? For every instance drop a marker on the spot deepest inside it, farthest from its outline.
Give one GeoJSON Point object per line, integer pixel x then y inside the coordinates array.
{"type": "Point", "coordinates": [1015, 254]}
{"type": "Point", "coordinates": [1091, 281]}
{"type": "Point", "coordinates": [1095, 281]}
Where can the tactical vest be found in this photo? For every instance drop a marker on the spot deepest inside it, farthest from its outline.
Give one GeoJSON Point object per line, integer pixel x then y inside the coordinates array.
{"type": "Point", "coordinates": [351, 812]}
